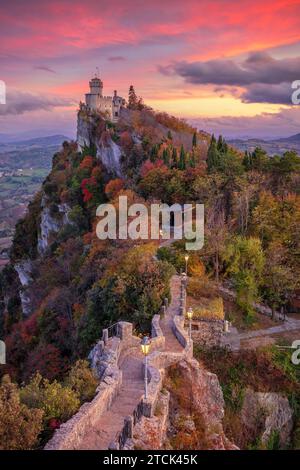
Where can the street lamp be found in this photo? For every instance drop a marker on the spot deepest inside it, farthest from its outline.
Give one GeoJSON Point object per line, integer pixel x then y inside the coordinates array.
{"type": "Point", "coordinates": [145, 345]}
{"type": "Point", "coordinates": [186, 263]}
{"type": "Point", "coordinates": [190, 316]}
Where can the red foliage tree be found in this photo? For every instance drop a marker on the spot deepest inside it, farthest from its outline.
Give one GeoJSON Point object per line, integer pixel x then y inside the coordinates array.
{"type": "Point", "coordinates": [87, 163]}
{"type": "Point", "coordinates": [149, 166]}
{"type": "Point", "coordinates": [113, 187]}
{"type": "Point", "coordinates": [47, 360]}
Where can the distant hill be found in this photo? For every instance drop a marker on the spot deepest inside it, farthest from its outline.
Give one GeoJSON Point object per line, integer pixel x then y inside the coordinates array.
{"type": "Point", "coordinates": [272, 147]}
{"type": "Point", "coordinates": [43, 141]}
{"type": "Point", "coordinates": [292, 138]}
{"type": "Point", "coordinates": [57, 139]}
{"type": "Point", "coordinates": [29, 153]}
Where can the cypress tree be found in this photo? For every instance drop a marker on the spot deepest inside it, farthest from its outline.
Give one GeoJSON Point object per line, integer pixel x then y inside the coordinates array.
{"type": "Point", "coordinates": [167, 157]}
{"type": "Point", "coordinates": [153, 154]}
{"type": "Point", "coordinates": [132, 98]}
{"type": "Point", "coordinates": [195, 139]}
{"type": "Point", "coordinates": [213, 156]}
{"type": "Point", "coordinates": [222, 145]}
{"type": "Point", "coordinates": [174, 158]}
{"type": "Point", "coordinates": [182, 164]}
{"type": "Point", "coordinates": [192, 161]}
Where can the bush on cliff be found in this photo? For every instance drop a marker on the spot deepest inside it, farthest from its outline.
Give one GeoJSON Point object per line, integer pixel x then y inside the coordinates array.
{"type": "Point", "coordinates": [19, 425]}
{"type": "Point", "coordinates": [54, 399]}
{"type": "Point", "coordinates": [82, 381]}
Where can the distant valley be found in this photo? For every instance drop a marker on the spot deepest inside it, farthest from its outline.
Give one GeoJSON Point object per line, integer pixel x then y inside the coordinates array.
{"type": "Point", "coordinates": [24, 164]}
{"type": "Point", "coordinates": [272, 147]}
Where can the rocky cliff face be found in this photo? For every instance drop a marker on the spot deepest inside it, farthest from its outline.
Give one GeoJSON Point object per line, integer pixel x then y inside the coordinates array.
{"type": "Point", "coordinates": [50, 224]}
{"type": "Point", "coordinates": [200, 414]}
{"type": "Point", "coordinates": [24, 270]}
{"type": "Point", "coordinates": [91, 133]}
{"type": "Point", "coordinates": [189, 415]}
{"type": "Point", "coordinates": [267, 414]}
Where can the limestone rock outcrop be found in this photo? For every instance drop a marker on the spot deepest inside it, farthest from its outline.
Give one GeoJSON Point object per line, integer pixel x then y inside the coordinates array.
{"type": "Point", "coordinates": [269, 412]}
{"type": "Point", "coordinates": [50, 224]}
{"type": "Point", "coordinates": [91, 132]}
{"type": "Point", "coordinates": [206, 400]}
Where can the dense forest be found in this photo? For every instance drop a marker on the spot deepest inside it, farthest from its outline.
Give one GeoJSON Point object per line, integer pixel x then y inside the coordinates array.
{"type": "Point", "coordinates": [80, 284]}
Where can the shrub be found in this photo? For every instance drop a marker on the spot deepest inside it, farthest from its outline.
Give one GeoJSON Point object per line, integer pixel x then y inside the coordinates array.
{"type": "Point", "coordinates": [82, 381]}
{"type": "Point", "coordinates": [55, 400]}
{"type": "Point", "coordinates": [19, 425]}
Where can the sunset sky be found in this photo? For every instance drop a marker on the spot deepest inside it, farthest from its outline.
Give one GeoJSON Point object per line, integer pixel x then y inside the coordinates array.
{"type": "Point", "coordinates": [227, 66]}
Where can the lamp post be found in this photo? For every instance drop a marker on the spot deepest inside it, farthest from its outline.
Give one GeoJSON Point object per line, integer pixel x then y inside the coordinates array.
{"type": "Point", "coordinates": [190, 316]}
{"type": "Point", "coordinates": [186, 263]}
{"type": "Point", "coordinates": [145, 345]}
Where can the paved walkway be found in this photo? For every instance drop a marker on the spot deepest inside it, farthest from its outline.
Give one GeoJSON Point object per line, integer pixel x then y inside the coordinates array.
{"type": "Point", "coordinates": [234, 338]}
{"type": "Point", "coordinates": [112, 421]}
{"type": "Point", "coordinates": [171, 342]}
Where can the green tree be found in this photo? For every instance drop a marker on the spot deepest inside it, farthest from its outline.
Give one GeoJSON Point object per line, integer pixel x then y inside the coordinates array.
{"type": "Point", "coordinates": [279, 280]}
{"type": "Point", "coordinates": [82, 380]}
{"type": "Point", "coordinates": [213, 156]}
{"type": "Point", "coordinates": [174, 158]}
{"type": "Point", "coordinates": [244, 260]}
{"type": "Point", "coordinates": [182, 163]}
{"type": "Point", "coordinates": [55, 400]}
{"type": "Point", "coordinates": [222, 145]}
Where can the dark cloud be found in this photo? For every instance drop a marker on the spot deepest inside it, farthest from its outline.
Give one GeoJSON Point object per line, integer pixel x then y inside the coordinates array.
{"type": "Point", "coordinates": [44, 68]}
{"type": "Point", "coordinates": [259, 67]}
{"type": "Point", "coordinates": [18, 103]}
{"type": "Point", "coordinates": [261, 93]}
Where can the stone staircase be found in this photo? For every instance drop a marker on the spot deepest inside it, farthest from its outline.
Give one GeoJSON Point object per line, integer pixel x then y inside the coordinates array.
{"type": "Point", "coordinates": [108, 421]}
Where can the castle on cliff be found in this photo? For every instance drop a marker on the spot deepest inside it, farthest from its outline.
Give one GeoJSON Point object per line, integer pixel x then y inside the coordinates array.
{"type": "Point", "coordinates": [108, 105]}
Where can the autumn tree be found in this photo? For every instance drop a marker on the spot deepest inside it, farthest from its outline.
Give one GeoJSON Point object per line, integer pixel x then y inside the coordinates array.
{"type": "Point", "coordinates": [82, 380]}
{"type": "Point", "coordinates": [113, 187]}
{"type": "Point", "coordinates": [55, 400]}
{"type": "Point", "coordinates": [20, 425]}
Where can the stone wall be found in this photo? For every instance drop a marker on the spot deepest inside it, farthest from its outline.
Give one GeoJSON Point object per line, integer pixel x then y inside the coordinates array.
{"type": "Point", "coordinates": [105, 360]}
{"type": "Point", "coordinates": [182, 335]}
{"type": "Point", "coordinates": [207, 333]}
{"type": "Point", "coordinates": [157, 337]}
{"type": "Point", "coordinates": [70, 434]}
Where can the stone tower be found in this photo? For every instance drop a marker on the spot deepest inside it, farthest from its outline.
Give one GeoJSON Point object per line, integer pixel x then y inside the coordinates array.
{"type": "Point", "coordinates": [96, 86]}
{"type": "Point", "coordinates": [108, 105]}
